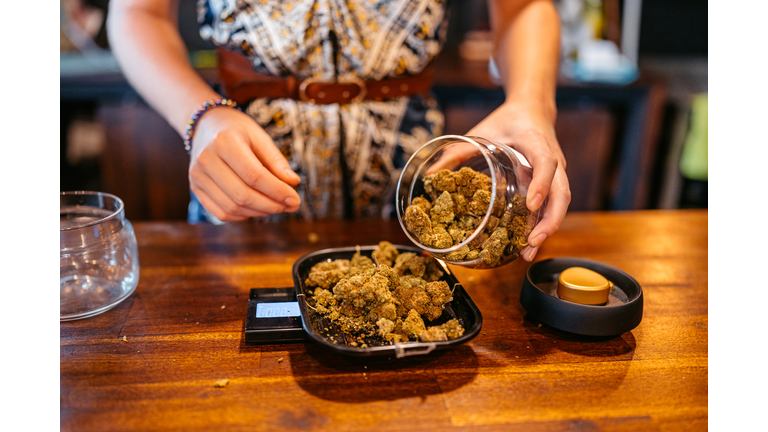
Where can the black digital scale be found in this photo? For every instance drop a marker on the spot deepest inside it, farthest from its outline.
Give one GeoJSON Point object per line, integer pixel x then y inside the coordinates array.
{"type": "Point", "coordinates": [273, 316]}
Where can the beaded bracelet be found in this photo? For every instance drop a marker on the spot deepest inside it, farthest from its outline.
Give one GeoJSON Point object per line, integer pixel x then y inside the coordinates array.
{"type": "Point", "coordinates": [192, 125]}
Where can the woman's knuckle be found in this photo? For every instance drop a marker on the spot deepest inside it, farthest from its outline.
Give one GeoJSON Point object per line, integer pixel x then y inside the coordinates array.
{"type": "Point", "coordinates": [203, 162]}
{"type": "Point", "coordinates": [222, 136]}
{"type": "Point", "coordinates": [567, 195]}
{"type": "Point", "coordinates": [534, 136]}
{"type": "Point", "coordinates": [220, 214]}
{"type": "Point", "coordinates": [277, 156]}
{"type": "Point", "coordinates": [230, 208]}
{"type": "Point", "coordinates": [253, 176]}
{"type": "Point", "coordinates": [195, 174]}
{"type": "Point", "coordinates": [240, 199]}
{"type": "Point", "coordinates": [272, 208]}
{"type": "Point", "coordinates": [555, 226]}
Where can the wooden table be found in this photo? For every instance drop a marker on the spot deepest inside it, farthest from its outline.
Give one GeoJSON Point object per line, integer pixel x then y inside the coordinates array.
{"type": "Point", "coordinates": [183, 330]}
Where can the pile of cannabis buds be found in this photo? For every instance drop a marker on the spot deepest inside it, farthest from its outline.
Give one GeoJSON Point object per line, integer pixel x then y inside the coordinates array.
{"type": "Point", "coordinates": [389, 299]}
{"type": "Point", "coordinates": [454, 207]}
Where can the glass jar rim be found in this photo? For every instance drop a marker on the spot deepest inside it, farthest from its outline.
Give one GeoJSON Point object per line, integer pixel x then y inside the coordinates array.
{"type": "Point", "coordinates": [107, 218]}
{"type": "Point", "coordinates": [487, 216]}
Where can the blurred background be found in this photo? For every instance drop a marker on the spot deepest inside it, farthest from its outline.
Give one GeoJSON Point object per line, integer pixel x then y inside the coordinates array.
{"type": "Point", "coordinates": [632, 104]}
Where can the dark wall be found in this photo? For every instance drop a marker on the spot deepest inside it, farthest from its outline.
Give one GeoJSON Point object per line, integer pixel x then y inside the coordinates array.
{"type": "Point", "coordinates": [674, 27]}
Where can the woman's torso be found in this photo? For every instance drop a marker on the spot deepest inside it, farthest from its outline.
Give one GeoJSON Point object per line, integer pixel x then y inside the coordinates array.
{"type": "Point", "coordinates": [348, 156]}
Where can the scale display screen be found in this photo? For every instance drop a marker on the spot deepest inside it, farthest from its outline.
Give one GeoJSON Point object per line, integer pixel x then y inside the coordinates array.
{"type": "Point", "coordinates": [273, 316]}
{"type": "Point", "coordinates": [274, 310]}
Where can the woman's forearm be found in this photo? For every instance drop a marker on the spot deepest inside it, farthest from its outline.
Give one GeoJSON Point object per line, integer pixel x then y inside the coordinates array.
{"type": "Point", "coordinates": [152, 55]}
{"type": "Point", "coordinates": [235, 169]}
{"type": "Point", "coordinates": [527, 51]}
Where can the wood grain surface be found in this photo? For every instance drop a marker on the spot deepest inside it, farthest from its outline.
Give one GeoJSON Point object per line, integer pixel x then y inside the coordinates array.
{"type": "Point", "coordinates": [184, 332]}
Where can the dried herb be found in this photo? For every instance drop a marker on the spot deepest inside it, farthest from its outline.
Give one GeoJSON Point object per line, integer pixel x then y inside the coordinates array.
{"type": "Point", "coordinates": [389, 300]}
{"type": "Point", "coordinates": [455, 204]}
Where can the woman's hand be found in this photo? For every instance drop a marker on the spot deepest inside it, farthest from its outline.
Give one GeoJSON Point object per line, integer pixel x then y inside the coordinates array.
{"type": "Point", "coordinates": [530, 131]}
{"type": "Point", "coordinates": [236, 171]}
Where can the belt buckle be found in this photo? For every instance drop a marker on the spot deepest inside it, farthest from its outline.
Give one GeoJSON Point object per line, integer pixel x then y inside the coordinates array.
{"type": "Point", "coordinates": [352, 80]}
{"type": "Point", "coordinates": [361, 85]}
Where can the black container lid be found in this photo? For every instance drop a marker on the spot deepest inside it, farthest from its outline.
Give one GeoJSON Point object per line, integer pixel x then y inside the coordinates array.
{"type": "Point", "coordinates": [621, 314]}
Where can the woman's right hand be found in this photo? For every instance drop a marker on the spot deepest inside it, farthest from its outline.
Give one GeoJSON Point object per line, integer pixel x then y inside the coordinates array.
{"type": "Point", "coordinates": [236, 171]}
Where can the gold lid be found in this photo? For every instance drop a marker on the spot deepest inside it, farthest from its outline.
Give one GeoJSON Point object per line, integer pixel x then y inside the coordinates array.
{"type": "Point", "coordinates": [584, 286]}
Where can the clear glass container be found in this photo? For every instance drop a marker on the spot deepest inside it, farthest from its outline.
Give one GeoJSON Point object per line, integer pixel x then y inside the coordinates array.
{"type": "Point", "coordinates": [98, 255]}
{"type": "Point", "coordinates": [473, 233]}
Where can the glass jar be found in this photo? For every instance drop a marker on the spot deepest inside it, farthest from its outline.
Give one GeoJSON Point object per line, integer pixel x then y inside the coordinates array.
{"type": "Point", "coordinates": [98, 255]}
{"type": "Point", "coordinates": [484, 229]}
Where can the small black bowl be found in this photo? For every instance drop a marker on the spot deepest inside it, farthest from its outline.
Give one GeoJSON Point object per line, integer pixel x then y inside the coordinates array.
{"type": "Point", "coordinates": [621, 314]}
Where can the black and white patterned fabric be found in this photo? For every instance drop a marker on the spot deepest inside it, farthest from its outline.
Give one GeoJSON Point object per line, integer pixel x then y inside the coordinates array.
{"type": "Point", "coordinates": [332, 40]}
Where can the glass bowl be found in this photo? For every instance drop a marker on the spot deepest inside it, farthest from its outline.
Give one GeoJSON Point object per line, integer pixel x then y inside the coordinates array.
{"type": "Point", "coordinates": [98, 255]}
{"type": "Point", "coordinates": [478, 238]}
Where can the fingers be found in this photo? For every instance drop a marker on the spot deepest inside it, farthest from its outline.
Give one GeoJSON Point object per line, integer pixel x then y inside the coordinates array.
{"type": "Point", "coordinates": [270, 156]}
{"type": "Point", "coordinates": [452, 157]}
{"type": "Point", "coordinates": [239, 170]}
{"type": "Point", "coordinates": [215, 209]}
{"type": "Point", "coordinates": [255, 175]}
{"type": "Point", "coordinates": [241, 199]}
{"type": "Point", "coordinates": [549, 182]}
{"type": "Point", "coordinates": [544, 169]}
{"type": "Point", "coordinates": [528, 253]}
{"type": "Point", "coordinates": [218, 203]}
{"type": "Point", "coordinates": [559, 199]}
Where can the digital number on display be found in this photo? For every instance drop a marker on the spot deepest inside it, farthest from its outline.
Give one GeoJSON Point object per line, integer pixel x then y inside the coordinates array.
{"type": "Point", "coordinates": [273, 310]}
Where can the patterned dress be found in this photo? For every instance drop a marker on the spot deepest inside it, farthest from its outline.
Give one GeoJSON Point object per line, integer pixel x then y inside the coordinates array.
{"type": "Point", "coordinates": [348, 156]}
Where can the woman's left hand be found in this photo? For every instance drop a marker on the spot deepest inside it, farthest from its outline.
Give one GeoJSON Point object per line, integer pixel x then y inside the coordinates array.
{"type": "Point", "coordinates": [530, 131]}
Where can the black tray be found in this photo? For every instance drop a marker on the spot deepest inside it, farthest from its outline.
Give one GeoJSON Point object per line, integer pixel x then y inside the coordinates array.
{"type": "Point", "coordinates": [462, 308]}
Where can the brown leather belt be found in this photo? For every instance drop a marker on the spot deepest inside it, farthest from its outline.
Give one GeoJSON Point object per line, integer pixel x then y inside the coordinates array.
{"type": "Point", "coordinates": [242, 85]}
